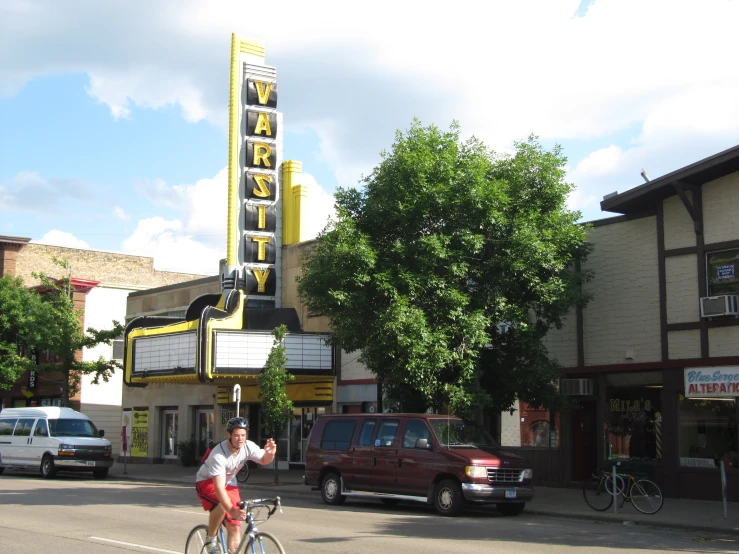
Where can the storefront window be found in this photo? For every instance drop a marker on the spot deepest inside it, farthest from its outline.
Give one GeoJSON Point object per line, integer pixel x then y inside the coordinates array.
{"type": "Point", "coordinates": [708, 432]}
{"type": "Point", "coordinates": [633, 416]}
{"type": "Point", "coordinates": [529, 426]}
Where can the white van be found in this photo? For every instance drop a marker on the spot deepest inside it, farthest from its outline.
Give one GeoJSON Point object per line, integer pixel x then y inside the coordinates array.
{"type": "Point", "coordinates": [52, 439]}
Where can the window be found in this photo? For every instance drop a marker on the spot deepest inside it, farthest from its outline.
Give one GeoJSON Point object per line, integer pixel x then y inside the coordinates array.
{"type": "Point", "coordinates": [368, 428]}
{"type": "Point", "coordinates": [415, 429]}
{"type": "Point", "coordinates": [633, 415]}
{"type": "Point", "coordinates": [7, 426]}
{"type": "Point", "coordinates": [23, 427]}
{"type": "Point", "coordinates": [118, 349]}
{"type": "Point", "coordinates": [73, 428]}
{"type": "Point", "coordinates": [386, 434]}
{"type": "Point", "coordinates": [41, 430]}
{"type": "Point", "coordinates": [708, 432]}
{"type": "Point", "coordinates": [722, 274]}
{"type": "Point", "coordinates": [338, 435]}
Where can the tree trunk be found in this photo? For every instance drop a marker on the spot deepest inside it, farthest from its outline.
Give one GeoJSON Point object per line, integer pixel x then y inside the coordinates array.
{"type": "Point", "coordinates": [277, 474]}
{"type": "Point", "coordinates": [65, 383]}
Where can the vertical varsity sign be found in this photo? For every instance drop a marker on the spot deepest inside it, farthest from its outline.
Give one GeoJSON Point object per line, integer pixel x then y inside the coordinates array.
{"type": "Point", "coordinates": [255, 218]}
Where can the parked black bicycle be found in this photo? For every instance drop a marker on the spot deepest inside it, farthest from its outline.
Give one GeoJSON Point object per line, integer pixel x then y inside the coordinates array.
{"type": "Point", "coordinates": [645, 495]}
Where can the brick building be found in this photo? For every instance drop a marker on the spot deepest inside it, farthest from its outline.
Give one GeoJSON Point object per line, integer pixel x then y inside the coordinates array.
{"type": "Point", "coordinates": [101, 283]}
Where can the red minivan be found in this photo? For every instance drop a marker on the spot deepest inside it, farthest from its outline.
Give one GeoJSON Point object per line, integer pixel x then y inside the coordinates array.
{"type": "Point", "coordinates": [435, 459]}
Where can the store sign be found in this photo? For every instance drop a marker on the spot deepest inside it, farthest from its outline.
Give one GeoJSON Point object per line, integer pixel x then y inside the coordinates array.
{"type": "Point", "coordinates": [725, 272]}
{"type": "Point", "coordinates": [711, 382]}
{"type": "Point", "coordinates": [261, 213]}
{"type": "Point", "coordinates": [140, 433]}
{"type": "Point", "coordinates": [32, 379]}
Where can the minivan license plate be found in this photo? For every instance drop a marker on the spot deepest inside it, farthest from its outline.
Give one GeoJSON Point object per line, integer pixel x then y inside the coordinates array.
{"type": "Point", "coordinates": [510, 493]}
{"type": "Point", "coordinates": [93, 463]}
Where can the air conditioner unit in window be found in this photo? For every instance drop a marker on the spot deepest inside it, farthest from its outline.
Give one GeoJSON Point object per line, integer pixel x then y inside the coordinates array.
{"type": "Point", "coordinates": [723, 304]}
{"type": "Point", "coordinates": [576, 387]}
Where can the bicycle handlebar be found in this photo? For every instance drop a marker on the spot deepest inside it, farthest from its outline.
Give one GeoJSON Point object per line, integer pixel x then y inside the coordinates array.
{"type": "Point", "coordinates": [266, 502]}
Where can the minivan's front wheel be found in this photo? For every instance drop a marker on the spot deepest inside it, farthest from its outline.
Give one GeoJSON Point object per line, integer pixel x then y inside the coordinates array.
{"type": "Point", "coordinates": [331, 489]}
{"type": "Point", "coordinates": [448, 499]}
{"type": "Point", "coordinates": [48, 469]}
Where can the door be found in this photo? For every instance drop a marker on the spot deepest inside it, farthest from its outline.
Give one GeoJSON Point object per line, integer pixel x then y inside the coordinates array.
{"type": "Point", "coordinates": [362, 457]}
{"type": "Point", "coordinates": [416, 466]}
{"type": "Point", "coordinates": [584, 441]}
{"type": "Point", "coordinates": [41, 442]}
{"type": "Point", "coordinates": [384, 454]}
{"type": "Point", "coordinates": [169, 434]}
{"type": "Point", "coordinates": [21, 448]}
{"type": "Point", "coordinates": [6, 439]}
{"type": "Point", "coordinates": [204, 426]}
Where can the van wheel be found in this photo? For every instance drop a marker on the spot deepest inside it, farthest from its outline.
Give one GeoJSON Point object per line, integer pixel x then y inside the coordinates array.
{"type": "Point", "coordinates": [100, 473]}
{"type": "Point", "coordinates": [448, 499]}
{"type": "Point", "coordinates": [511, 508]}
{"type": "Point", "coordinates": [1, 470]}
{"type": "Point", "coordinates": [48, 470]}
{"type": "Point", "coordinates": [331, 489]}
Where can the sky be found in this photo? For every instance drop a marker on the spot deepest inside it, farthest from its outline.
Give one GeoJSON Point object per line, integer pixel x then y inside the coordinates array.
{"type": "Point", "coordinates": [113, 115]}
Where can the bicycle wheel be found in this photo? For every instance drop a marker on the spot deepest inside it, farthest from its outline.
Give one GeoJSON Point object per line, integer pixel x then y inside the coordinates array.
{"type": "Point", "coordinates": [595, 494]}
{"type": "Point", "coordinates": [243, 475]}
{"type": "Point", "coordinates": [264, 543]}
{"type": "Point", "coordinates": [646, 496]}
{"type": "Point", "coordinates": [196, 541]}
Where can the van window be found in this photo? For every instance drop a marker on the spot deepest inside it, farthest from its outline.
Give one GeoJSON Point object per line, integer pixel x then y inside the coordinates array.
{"type": "Point", "coordinates": [338, 435]}
{"type": "Point", "coordinates": [365, 437]}
{"type": "Point", "coordinates": [73, 428]}
{"type": "Point", "coordinates": [6, 426]}
{"type": "Point", "coordinates": [23, 427]}
{"type": "Point", "coordinates": [387, 432]}
{"type": "Point", "coordinates": [415, 429]}
{"type": "Point", "coordinates": [41, 430]}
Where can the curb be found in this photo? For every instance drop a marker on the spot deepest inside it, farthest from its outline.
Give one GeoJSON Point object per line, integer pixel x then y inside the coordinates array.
{"type": "Point", "coordinates": [621, 520]}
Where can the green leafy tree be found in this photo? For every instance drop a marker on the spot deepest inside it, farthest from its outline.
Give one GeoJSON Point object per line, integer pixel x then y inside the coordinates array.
{"type": "Point", "coordinates": [49, 329]}
{"type": "Point", "coordinates": [447, 245]}
{"type": "Point", "coordinates": [276, 406]}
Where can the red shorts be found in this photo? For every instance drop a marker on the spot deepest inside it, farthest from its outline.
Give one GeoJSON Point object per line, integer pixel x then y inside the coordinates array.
{"type": "Point", "coordinates": [207, 495]}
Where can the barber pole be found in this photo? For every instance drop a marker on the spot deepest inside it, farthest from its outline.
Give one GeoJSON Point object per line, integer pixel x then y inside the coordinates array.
{"type": "Point", "coordinates": [658, 433]}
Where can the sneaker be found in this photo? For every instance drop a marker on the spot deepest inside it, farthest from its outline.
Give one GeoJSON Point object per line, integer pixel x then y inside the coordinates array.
{"type": "Point", "coordinates": [212, 547]}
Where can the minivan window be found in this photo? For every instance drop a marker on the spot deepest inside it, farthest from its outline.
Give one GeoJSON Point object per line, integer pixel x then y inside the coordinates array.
{"type": "Point", "coordinates": [6, 426]}
{"type": "Point", "coordinates": [368, 428]}
{"type": "Point", "coordinates": [41, 430]}
{"type": "Point", "coordinates": [415, 429]}
{"type": "Point", "coordinates": [386, 433]}
{"type": "Point", "coordinates": [23, 427]}
{"type": "Point", "coordinates": [337, 435]}
{"type": "Point", "coordinates": [456, 433]}
{"type": "Point", "coordinates": [73, 428]}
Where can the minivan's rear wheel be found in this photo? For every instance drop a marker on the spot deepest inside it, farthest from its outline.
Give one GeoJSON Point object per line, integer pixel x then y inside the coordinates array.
{"type": "Point", "coordinates": [331, 489]}
{"type": "Point", "coordinates": [511, 508]}
{"type": "Point", "coordinates": [448, 499]}
{"type": "Point", "coordinates": [1, 470]}
{"type": "Point", "coordinates": [48, 469]}
{"type": "Point", "coordinates": [100, 473]}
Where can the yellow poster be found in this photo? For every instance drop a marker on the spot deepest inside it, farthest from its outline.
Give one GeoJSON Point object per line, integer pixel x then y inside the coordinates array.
{"type": "Point", "coordinates": [140, 434]}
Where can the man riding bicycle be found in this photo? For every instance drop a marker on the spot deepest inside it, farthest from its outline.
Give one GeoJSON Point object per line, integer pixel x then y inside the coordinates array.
{"type": "Point", "coordinates": [216, 481]}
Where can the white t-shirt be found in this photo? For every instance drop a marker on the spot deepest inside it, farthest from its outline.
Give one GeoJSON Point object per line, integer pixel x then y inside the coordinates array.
{"type": "Point", "coordinates": [221, 461]}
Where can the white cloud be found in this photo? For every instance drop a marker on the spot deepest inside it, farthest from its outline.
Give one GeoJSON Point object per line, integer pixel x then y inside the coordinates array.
{"type": "Point", "coordinates": [30, 192]}
{"type": "Point", "coordinates": [119, 213]}
{"type": "Point", "coordinates": [503, 69]}
{"type": "Point", "coordinates": [61, 238]}
{"type": "Point", "coordinates": [172, 249]}
{"type": "Point", "coordinates": [319, 207]}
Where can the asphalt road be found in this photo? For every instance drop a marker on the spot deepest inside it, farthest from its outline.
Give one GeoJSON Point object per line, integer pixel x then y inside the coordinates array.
{"type": "Point", "coordinates": [74, 514]}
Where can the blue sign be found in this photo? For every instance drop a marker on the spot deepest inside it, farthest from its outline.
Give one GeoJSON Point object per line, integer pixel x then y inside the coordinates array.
{"type": "Point", "coordinates": [725, 272]}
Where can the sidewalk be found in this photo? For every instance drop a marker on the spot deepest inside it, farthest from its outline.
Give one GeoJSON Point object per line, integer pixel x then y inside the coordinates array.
{"type": "Point", "coordinates": [702, 516]}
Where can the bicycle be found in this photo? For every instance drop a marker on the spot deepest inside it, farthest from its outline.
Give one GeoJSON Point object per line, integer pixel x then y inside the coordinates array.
{"type": "Point", "coordinates": [243, 475]}
{"type": "Point", "coordinates": [253, 540]}
{"type": "Point", "coordinates": [645, 495]}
